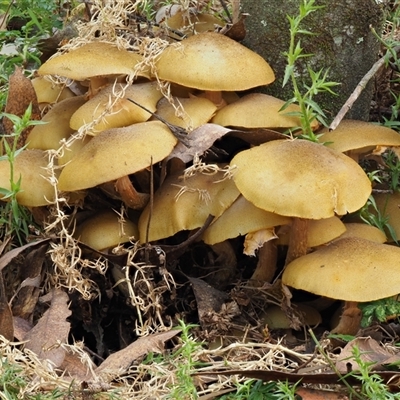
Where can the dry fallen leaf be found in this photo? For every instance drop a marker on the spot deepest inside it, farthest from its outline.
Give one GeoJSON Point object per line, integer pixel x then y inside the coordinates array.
{"type": "Point", "coordinates": [315, 394]}
{"type": "Point", "coordinates": [201, 139]}
{"type": "Point", "coordinates": [119, 362]}
{"type": "Point", "coordinates": [370, 352]}
{"type": "Point", "coordinates": [52, 329]}
{"type": "Point", "coordinates": [28, 292]}
{"type": "Point", "coordinates": [6, 318]}
{"type": "Point", "coordinates": [6, 258]}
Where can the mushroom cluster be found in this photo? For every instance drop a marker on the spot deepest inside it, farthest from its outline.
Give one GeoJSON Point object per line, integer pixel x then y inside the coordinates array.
{"type": "Point", "coordinates": [119, 132]}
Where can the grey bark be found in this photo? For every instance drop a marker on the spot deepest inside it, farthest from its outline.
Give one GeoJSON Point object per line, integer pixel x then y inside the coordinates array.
{"type": "Point", "coordinates": [343, 42]}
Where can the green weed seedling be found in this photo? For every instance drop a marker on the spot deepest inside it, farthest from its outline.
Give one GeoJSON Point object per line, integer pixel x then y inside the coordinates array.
{"type": "Point", "coordinates": [372, 385]}
{"type": "Point", "coordinates": [185, 364]}
{"type": "Point", "coordinates": [309, 109]}
{"type": "Point", "coordinates": [15, 219]}
{"type": "Point", "coordinates": [379, 310]}
{"type": "Point", "coordinates": [258, 390]}
{"type": "Point", "coordinates": [371, 215]}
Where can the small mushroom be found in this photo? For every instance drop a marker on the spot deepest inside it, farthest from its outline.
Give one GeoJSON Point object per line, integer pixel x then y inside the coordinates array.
{"type": "Point", "coordinates": [105, 230]}
{"type": "Point", "coordinates": [275, 318]}
{"type": "Point", "coordinates": [350, 269]}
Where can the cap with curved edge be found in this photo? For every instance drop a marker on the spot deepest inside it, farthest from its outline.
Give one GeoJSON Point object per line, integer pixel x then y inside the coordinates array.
{"type": "Point", "coordinates": [299, 178]}
{"type": "Point", "coordinates": [350, 269]}
{"type": "Point", "coordinates": [105, 230]}
{"type": "Point", "coordinates": [195, 23]}
{"type": "Point", "coordinates": [173, 212]}
{"type": "Point", "coordinates": [359, 135]}
{"type": "Point", "coordinates": [124, 112]}
{"type": "Point", "coordinates": [73, 148]}
{"type": "Point", "coordinates": [93, 59]}
{"type": "Point", "coordinates": [212, 61]}
{"type": "Point", "coordinates": [115, 153]}
{"type": "Point", "coordinates": [197, 111]}
{"type": "Point", "coordinates": [50, 92]}
{"type": "Point", "coordinates": [241, 218]}
{"type": "Point", "coordinates": [47, 136]}
{"type": "Point", "coordinates": [320, 231]}
{"type": "Point", "coordinates": [258, 110]}
{"type": "Point", "coordinates": [35, 189]}
{"type": "Point", "coordinates": [363, 231]}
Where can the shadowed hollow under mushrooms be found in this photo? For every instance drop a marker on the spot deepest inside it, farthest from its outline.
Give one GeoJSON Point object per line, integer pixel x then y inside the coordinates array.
{"type": "Point", "coordinates": [303, 180]}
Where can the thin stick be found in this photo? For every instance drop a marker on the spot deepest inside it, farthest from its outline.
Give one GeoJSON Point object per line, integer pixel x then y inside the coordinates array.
{"type": "Point", "coordinates": [172, 249]}
{"type": "Point", "coordinates": [357, 91]}
{"type": "Point", "coordinates": [151, 203]}
{"type": "Point", "coordinates": [177, 131]}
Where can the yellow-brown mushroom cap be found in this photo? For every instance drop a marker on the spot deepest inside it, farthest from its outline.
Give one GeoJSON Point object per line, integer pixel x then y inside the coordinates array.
{"type": "Point", "coordinates": [350, 269]}
{"type": "Point", "coordinates": [104, 230]}
{"type": "Point", "coordinates": [241, 218]}
{"type": "Point", "coordinates": [56, 128]}
{"type": "Point", "coordinates": [93, 59]}
{"type": "Point", "coordinates": [115, 153]}
{"type": "Point", "coordinates": [30, 166]}
{"type": "Point", "coordinates": [212, 61]}
{"type": "Point", "coordinates": [196, 111]}
{"type": "Point", "coordinates": [363, 231]}
{"type": "Point", "coordinates": [123, 112]}
{"type": "Point", "coordinates": [300, 178]}
{"type": "Point", "coordinates": [357, 135]}
{"type": "Point", "coordinates": [174, 211]}
{"type": "Point", "coordinates": [258, 110]}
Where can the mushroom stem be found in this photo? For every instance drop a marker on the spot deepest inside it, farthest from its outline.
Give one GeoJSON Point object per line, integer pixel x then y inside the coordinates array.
{"type": "Point", "coordinates": [129, 195]}
{"type": "Point", "coordinates": [298, 241]}
{"type": "Point", "coordinates": [216, 98]}
{"type": "Point", "coordinates": [349, 322]}
{"type": "Point", "coordinates": [266, 265]}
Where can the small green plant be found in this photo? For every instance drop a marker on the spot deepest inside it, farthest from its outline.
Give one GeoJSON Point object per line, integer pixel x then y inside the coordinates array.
{"type": "Point", "coordinates": [372, 385]}
{"type": "Point", "coordinates": [379, 310]}
{"type": "Point", "coordinates": [309, 109]}
{"type": "Point", "coordinates": [258, 390]}
{"type": "Point", "coordinates": [11, 380]}
{"type": "Point", "coordinates": [14, 218]}
{"type": "Point", "coordinates": [185, 364]}
{"type": "Point", "coordinates": [371, 215]}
